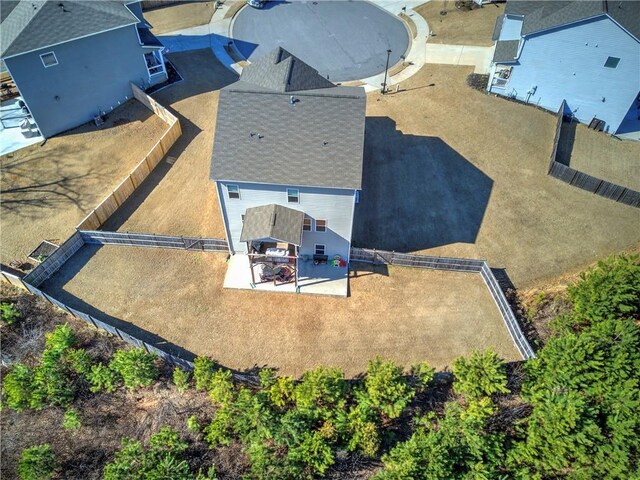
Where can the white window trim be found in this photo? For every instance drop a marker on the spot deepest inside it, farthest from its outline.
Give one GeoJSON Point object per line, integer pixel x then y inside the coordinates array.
{"type": "Point", "coordinates": [49, 53]}
{"type": "Point", "coordinates": [325, 225]}
{"type": "Point", "coordinates": [228, 192]}
{"type": "Point", "coordinates": [297, 196]}
{"type": "Point", "coordinates": [315, 248]}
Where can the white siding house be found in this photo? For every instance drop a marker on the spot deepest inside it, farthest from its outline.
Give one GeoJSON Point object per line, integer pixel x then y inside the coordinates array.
{"type": "Point", "coordinates": [287, 162]}
{"type": "Point", "coordinates": [586, 53]}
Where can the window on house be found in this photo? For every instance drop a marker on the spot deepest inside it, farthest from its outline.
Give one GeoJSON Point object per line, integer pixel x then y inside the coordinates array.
{"type": "Point", "coordinates": [320, 249]}
{"type": "Point", "coordinates": [233, 191]}
{"type": "Point", "coordinates": [321, 225]}
{"type": "Point", "coordinates": [242, 216]}
{"type": "Point", "coordinates": [612, 62]}
{"type": "Point", "coordinates": [306, 224]}
{"type": "Point", "coordinates": [49, 59]}
{"type": "Point", "coordinates": [293, 195]}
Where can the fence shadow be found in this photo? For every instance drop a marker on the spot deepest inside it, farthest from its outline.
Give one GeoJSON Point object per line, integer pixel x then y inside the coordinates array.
{"type": "Point", "coordinates": [417, 192]}
{"type": "Point", "coordinates": [361, 269]}
{"type": "Point", "coordinates": [566, 142]}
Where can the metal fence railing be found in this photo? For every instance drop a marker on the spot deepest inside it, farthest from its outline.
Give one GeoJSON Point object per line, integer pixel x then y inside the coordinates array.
{"type": "Point", "coordinates": [459, 265]}
{"type": "Point", "coordinates": [154, 241]}
{"type": "Point", "coordinates": [584, 181]}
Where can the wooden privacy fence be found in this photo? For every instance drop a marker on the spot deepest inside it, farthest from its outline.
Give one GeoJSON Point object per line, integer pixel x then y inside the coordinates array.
{"type": "Point", "coordinates": [459, 265]}
{"type": "Point", "coordinates": [115, 199]}
{"type": "Point", "coordinates": [154, 241]}
{"type": "Point", "coordinates": [583, 180]}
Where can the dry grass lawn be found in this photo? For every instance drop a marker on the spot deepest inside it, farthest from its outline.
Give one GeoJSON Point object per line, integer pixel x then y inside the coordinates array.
{"type": "Point", "coordinates": [46, 190]}
{"type": "Point", "coordinates": [178, 198]}
{"type": "Point", "coordinates": [461, 173]}
{"type": "Point", "coordinates": [598, 155]}
{"type": "Point", "coordinates": [410, 315]}
{"type": "Point", "coordinates": [460, 27]}
{"type": "Point", "coordinates": [178, 16]}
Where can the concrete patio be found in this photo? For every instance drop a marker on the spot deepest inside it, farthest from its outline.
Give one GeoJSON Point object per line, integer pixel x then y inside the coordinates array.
{"type": "Point", "coordinates": [11, 136]}
{"type": "Point", "coordinates": [312, 279]}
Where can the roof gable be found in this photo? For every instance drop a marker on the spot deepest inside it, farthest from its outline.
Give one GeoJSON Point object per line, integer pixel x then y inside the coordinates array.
{"type": "Point", "coordinates": [281, 71]}
{"type": "Point", "coordinates": [34, 24]}
{"type": "Point", "coordinates": [273, 221]}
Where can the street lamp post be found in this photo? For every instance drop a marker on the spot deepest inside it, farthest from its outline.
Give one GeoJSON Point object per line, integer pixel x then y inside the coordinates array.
{"type": "Point", "coordinates": [386, 69]}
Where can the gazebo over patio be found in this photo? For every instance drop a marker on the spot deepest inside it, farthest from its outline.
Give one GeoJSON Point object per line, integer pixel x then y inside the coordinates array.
{"type": "Point", "coordinates": [273, 235]}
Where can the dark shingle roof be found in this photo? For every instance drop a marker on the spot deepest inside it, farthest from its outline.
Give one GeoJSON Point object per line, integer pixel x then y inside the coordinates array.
{"type": "Point", "coordinates": [506, 51]}
{"type": "Point", "coordinates": [34, 24]}
{"type": "Point", "coordinates": [273, 221]}
{"type": "Point", "coordinates": [543, 15]}
{"type": "Point", "coordinates": [497, 28]}
{"type": "Point", "coordinates": [280, 71]}
{"type": "Point", "coordinates": [316, 141]}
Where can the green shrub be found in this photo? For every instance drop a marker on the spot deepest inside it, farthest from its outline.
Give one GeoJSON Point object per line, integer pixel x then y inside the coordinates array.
{"type": "Point", "coordinates": [60, 339]}
{"type": "Point", "coordinates": [221, 389]}
{"type": "Point", "coordinates": [80, 361]}
{"type": "Point", "coordinates": [203, 368]}
{"type": "Point", "coordinates": [321, 388]}
{"type": "Point", "coordinates": [193, 425]}
{"type": "Point", "coordinates": [37, 463]}
{"type": "Point", "coordinates": [360, 430]}
{"type": "Point", "coordinates": [164, 458]}
{"type": "Point", "coordinates": [482, 374]}
{"type": "Point", "coordinates": [181, 379]}
{"type": "Point", "coordinates": [136, 367]}
{"type": "Point", "coordinates": [609, 291]}
{"type": "Point", "coordinates": [71, 420]}
{"type": "Point", "coordinates": [313, 453]}
{"type": "Point", "coordinates": [282, 391]}
{"type": "Point", "coordinates": [17, 387]}
{"type": "Point", "coordinates": [423, 374]}
{"type": "Point", "coordinates": [102, 378]}
{"type": "Point", "coordinates": [386, 389]}
{"type": "Point", "coordinates": [9, 313]}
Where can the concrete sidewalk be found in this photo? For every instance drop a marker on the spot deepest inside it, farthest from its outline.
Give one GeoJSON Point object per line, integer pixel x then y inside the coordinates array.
{"type": "Point", "coordinates": [479, 57]}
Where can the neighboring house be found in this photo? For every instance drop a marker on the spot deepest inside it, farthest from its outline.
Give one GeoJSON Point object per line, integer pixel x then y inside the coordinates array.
{"type": "Point", "coordinates": [287, 161]}
{"type": "Point", "coordinates": [74, 60]}
{"type": "Point", "coordinates": [584, 52]}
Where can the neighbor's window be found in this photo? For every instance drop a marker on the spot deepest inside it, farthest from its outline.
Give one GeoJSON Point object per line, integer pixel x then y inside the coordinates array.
{"type": "Point", "coordinates": [321, 225]}
{"type": "Point", "coordinates": [242, 217]}
{"type": "Point", "coordinates": [320, 249]}
{"type": "Point", "coordinates": [306, 224]}
{"type": "Point", "coordinates": [49, 59]}
{"type": "Point", "coordinates": [233, 191]}
{"type": "Point", "coordinates": [293, 195]}
{"type": "Point", "coordinates": [612, 62]}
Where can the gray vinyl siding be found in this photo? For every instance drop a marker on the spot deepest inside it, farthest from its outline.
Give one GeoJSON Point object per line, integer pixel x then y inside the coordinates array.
{"type": "Point", "coordinates": [333, 205]}
{"type": "Point", "coordinates": [568, 63]}
{"type": "Point", "coordinates": [92, 75]}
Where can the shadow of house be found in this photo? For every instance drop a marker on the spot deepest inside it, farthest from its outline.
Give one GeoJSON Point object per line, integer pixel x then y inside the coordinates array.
{"type": "Point", "coordinates": [417, 192]}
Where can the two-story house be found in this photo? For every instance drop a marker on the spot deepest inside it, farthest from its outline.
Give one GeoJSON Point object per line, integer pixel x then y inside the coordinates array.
{"type": "Point", "coordinates": [73, 60]}
{"type": "Point", "coordinates": [287, 163]}
{"type": "Point", "coordinates": [585, 52]}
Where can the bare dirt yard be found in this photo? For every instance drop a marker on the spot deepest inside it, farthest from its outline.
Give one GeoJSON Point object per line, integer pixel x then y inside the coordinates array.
{"type": "Point", "coordinates": [178, 16]}
{"type": "Point", "coordinates": [600, 156]}
{"type": "Point", "coordinates": [46, 190]}
{"type": "Point", "coordinates": [452, 171]}
{"type": "Point", "coordinates": [404, 314]}
{"type": "Point", "coordinates": [178, 198]}
{"type": "Point", "coordinates": [460, 27]}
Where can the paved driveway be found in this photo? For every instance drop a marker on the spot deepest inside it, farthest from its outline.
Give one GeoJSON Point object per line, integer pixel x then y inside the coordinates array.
{"type": "Point", "coordinates": [344, 40]}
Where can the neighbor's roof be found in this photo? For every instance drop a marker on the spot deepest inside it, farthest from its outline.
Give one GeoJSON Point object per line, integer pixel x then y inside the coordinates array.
{"type": "Point", "coordinates": [543, 15]}
{"type": "Point", "coordinates": [273, 221]}
{"type": "Point", "coordinates": [506, 51]}
{"type": "Point", "coordinates": [29, 25]}
{"type": "Point", "coordinates": [262, 137]}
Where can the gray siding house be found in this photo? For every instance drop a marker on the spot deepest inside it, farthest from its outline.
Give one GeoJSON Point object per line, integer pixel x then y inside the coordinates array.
{"type": "Point", "coordinates": [584, 52]}
{"type": "Point", "coordinates": [72, 60]}
{"type": "Point", "coordinates": [287, 140]}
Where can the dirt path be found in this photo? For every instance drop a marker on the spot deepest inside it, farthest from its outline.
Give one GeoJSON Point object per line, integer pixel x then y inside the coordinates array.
{"type": "Point", "coordinates": [46, 190]}
{"type": "Point", "coordinates": [410, 315]}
